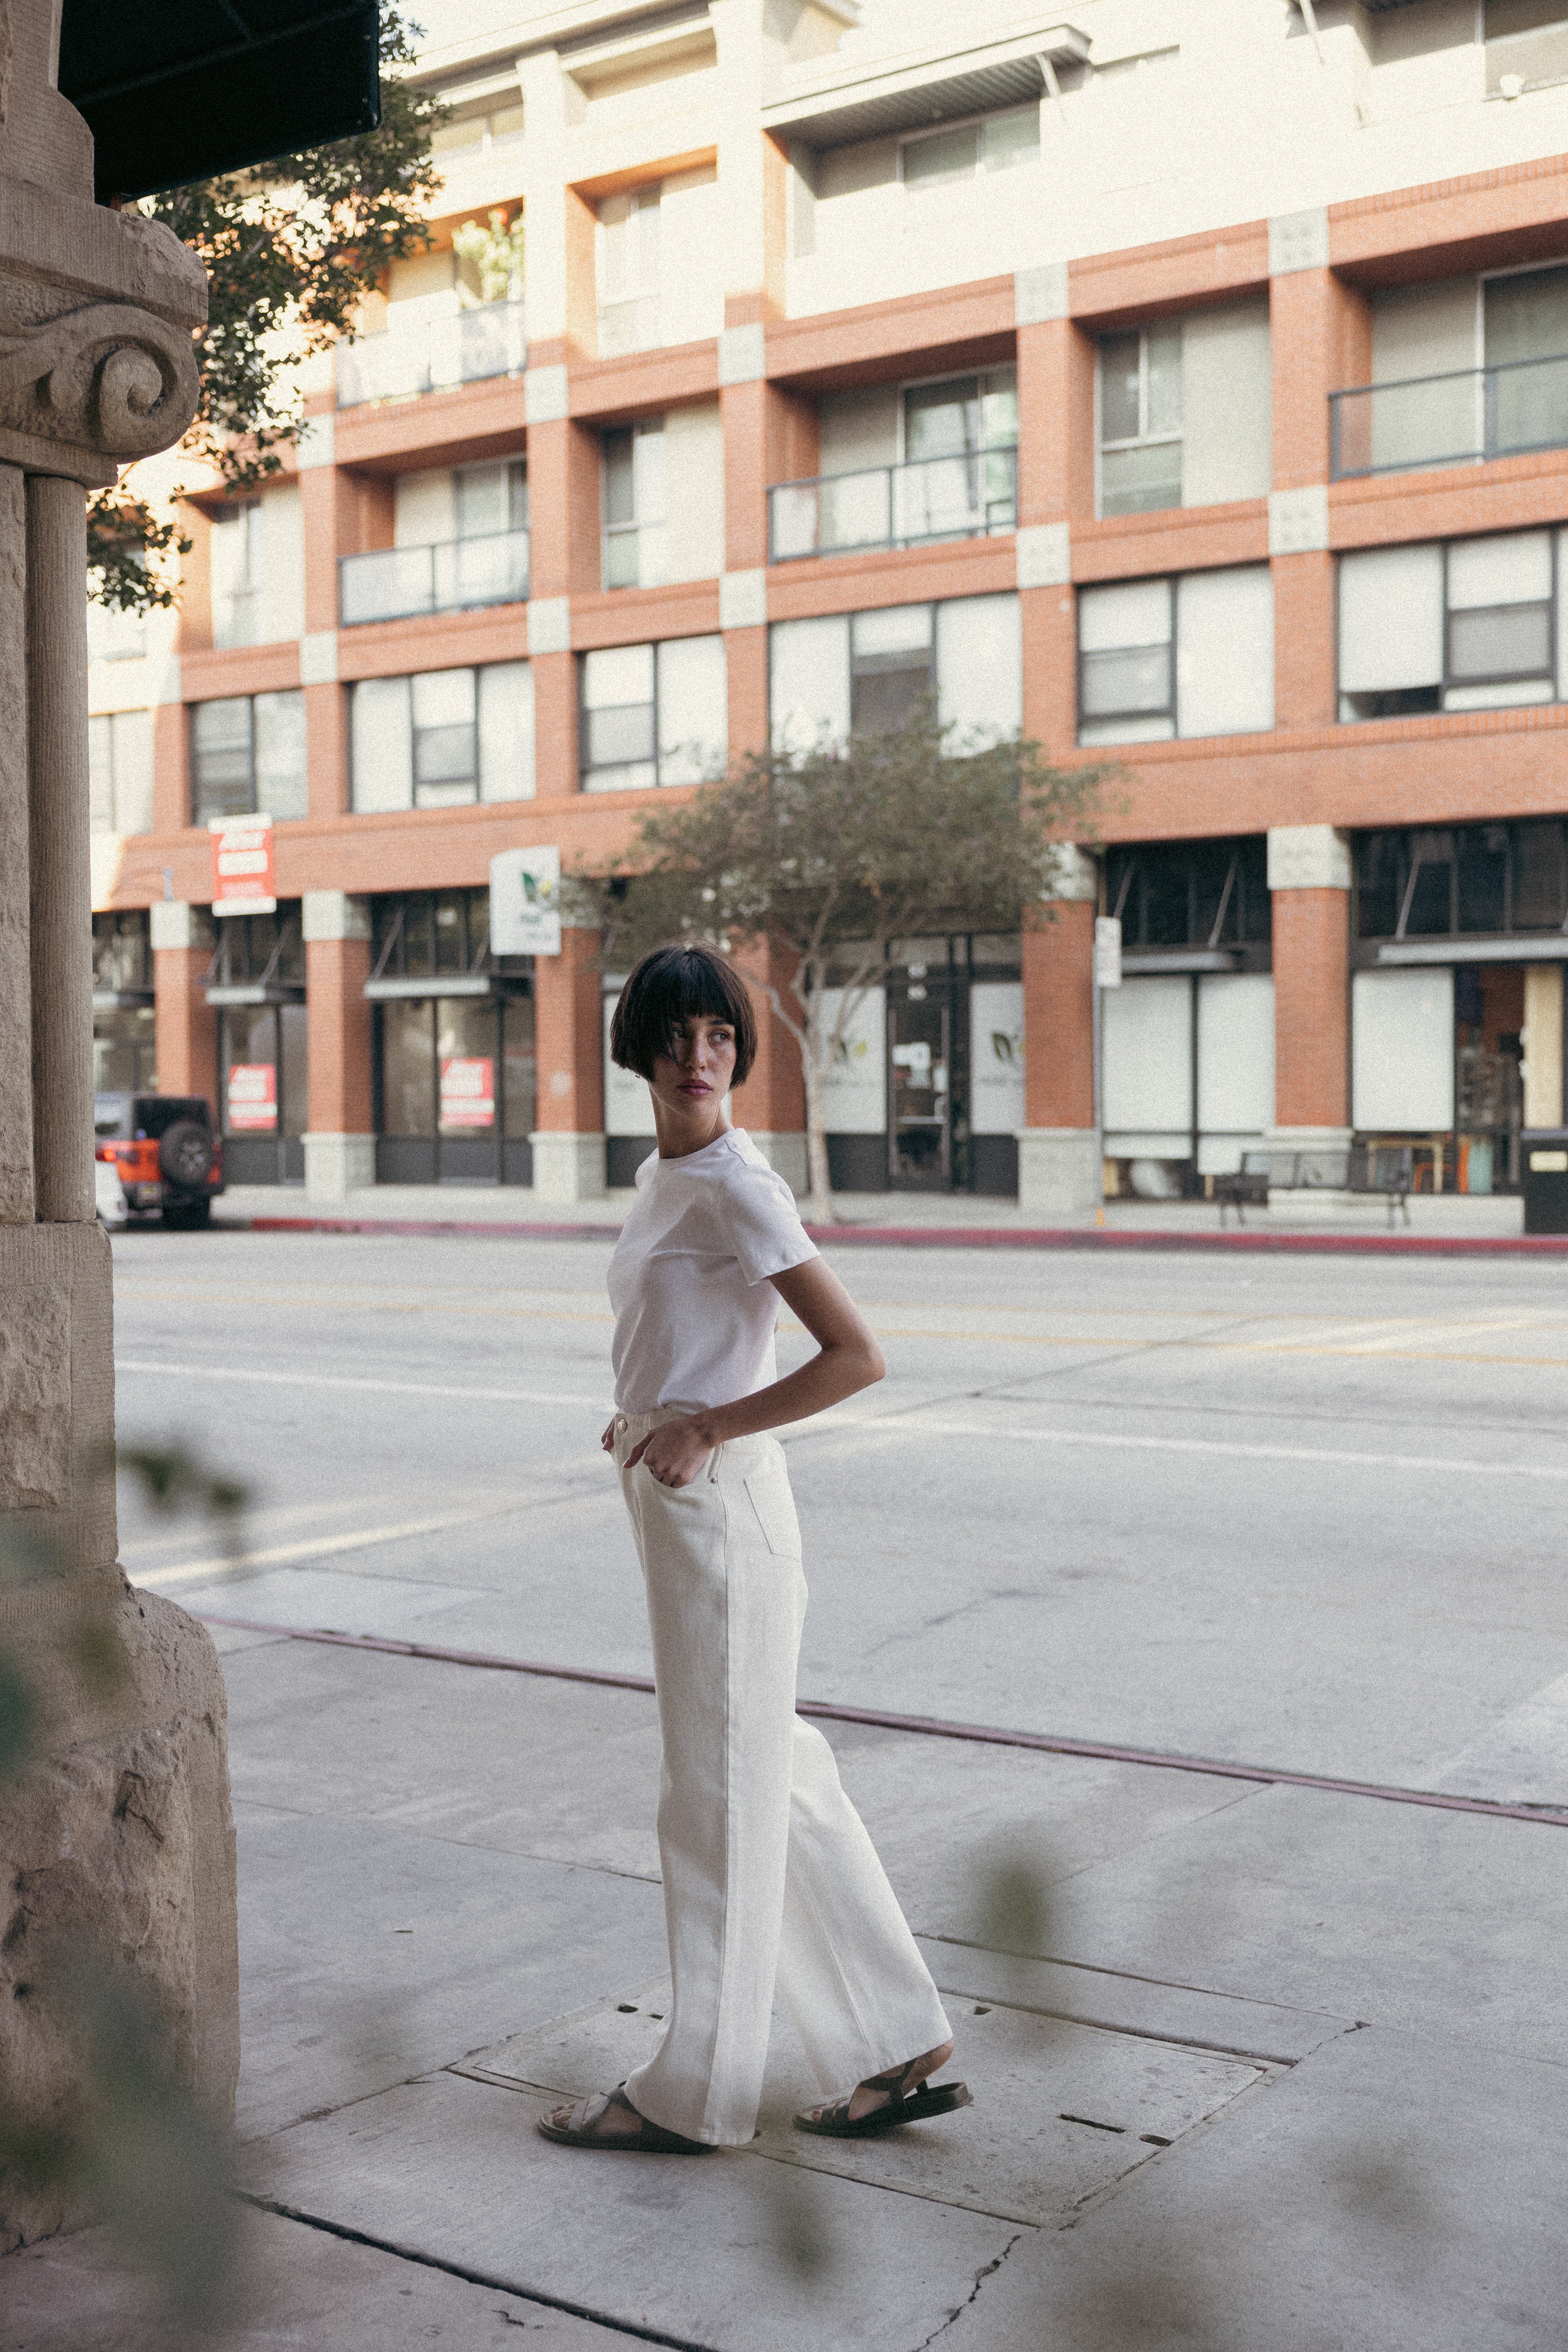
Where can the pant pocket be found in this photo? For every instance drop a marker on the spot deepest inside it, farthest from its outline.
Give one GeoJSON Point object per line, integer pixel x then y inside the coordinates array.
{"type": "Point", "coordinates": [768, 1489]}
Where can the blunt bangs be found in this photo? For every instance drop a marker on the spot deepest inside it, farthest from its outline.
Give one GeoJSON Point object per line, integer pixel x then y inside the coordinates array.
{"type": "Point", "coordinates": [669, 987]}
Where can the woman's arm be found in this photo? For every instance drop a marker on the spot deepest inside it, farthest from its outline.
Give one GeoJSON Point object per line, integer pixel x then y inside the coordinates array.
{"type": "Point", "coordinates": [848, 1359]}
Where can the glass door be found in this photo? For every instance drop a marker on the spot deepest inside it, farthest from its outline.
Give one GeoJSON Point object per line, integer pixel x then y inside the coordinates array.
{"type": "Point", "coordinates": [920, 1121]}
{"type": "Point", "coordinates": [263, 1092]}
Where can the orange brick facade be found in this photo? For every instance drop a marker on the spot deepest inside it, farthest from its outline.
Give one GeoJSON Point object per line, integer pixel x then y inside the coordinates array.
{"type": "Point", "coordinates": [1307, 770]}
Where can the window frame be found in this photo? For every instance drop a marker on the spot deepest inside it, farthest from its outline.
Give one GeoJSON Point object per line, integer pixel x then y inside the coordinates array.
{"type": "Point", "coordinates": [656, 760]}
{"type": "Point", "coordinates": [1448, 683]}
{"type": "Point", "coordinates": [929, 130]}
{"type": "Point", "coordinates": [1168, 580]}
{"type": "Point", "coordinates": [1144, 438]}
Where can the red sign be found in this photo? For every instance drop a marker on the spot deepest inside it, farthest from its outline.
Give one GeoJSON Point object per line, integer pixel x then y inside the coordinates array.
{"type": "Point", "coordinates": [243, 878]}
{"type": "Point", "coordinates": [252, 1097]}
{"type": "Point", "coordinates": [468, 1092]}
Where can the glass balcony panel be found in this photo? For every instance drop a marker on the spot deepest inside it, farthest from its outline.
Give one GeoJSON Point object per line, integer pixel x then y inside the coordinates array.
{"type": "Point", "coordinates": [1529, 407]}
{"type": "Point", "coordinates": [856, 510]}
{"type": "Point", "coordinates": [394, 582]}
{"type": "Point", "coordinates": [1451, 420]}
{"type": "Point", "coordinates": [895, 506]}
{"type": "Point", "coordinates": [428, 353]}
{"type": "Point", "coordinates": [488, 571]}
{"type": "Point", "coordinates": [387, 585]}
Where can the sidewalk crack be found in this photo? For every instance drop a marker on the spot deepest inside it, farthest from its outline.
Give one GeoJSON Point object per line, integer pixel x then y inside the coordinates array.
{"type": "Point", "coordinates": [990, 2271]}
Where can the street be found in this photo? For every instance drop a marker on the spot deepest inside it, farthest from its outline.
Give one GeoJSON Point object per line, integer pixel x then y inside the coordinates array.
{"type": "Point", "coordinates": [1255, 2068]}
{"type": "Point", "coordinates": [1296, 1512]}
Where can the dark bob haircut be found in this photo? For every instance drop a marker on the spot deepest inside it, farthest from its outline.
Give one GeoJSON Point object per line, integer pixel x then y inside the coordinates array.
{"type": "Point", "coordinates": [669, 987]}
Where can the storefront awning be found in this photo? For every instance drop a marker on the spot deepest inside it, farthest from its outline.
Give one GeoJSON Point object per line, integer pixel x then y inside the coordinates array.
{"type": "Point", "coordinates": [181, 90]}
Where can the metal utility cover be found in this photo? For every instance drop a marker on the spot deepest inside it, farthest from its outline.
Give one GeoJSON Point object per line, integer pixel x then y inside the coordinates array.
{"type": "Point", "coordinates": [181, 90]}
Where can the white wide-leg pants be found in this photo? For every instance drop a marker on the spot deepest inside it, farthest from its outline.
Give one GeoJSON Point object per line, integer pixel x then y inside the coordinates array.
{"type": "Point", "coordinates": [769, 1875]}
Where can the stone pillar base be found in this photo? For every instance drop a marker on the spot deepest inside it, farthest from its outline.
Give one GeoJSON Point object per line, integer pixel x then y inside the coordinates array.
{"type": "Point", "coordinates": [787, 1154]}
{"type": "Point", "coordinates": [568, 1167]}
{"type": "Point", "coordinates": [118, 1827]}
{"type": "Point", "coordinates": [336, 1165]}
{"type": "Point", "coordinates": [1058, 1167]}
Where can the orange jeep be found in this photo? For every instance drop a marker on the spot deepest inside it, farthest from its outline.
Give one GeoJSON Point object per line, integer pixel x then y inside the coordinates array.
{"type": "Point", "coordinates": [165, 1151]}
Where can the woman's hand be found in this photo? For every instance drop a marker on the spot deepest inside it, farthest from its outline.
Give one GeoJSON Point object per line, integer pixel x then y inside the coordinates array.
{"type": "Point", "coordinates": [608, 1439]}
{"type": "Point", "coordinates": [675, 1452]}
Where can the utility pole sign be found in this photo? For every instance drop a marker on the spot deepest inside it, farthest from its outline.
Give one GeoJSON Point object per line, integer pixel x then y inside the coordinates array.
{"type": "Point", "coordinates": [1107, 952]}
{"type": "Point", "coordinates": [525, 902]}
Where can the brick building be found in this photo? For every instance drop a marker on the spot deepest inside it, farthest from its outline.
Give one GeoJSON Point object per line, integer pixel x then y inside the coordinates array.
{"type": "Point", "coordinates": [1187, 384]}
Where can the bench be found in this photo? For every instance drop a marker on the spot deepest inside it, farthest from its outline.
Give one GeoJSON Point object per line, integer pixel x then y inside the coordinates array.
{"type": "Point", "coordinates": [1386, 1170]}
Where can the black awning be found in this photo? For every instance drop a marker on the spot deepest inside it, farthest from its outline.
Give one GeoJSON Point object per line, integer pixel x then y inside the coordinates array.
{"type": "Point", "coordinates": [180, 89]}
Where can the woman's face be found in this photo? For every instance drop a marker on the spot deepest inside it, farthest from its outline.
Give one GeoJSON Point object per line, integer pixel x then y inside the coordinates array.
{"type": "Point", "coordinates": [691, 1083]}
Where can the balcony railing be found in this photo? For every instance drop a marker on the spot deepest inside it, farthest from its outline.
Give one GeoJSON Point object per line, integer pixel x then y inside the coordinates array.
{"type": "Point", "coordinates": [1450, 420]}
{"type": "Point", "coordinates": [895, 506]}
{"type": "Point", "coordinates": [396, 582]}
{"type": "Point", "coordinates": [432, 354]}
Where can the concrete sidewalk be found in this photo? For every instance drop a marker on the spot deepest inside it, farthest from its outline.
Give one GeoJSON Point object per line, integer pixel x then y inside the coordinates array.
{"type": "Point", "coordinates": [1282, 2071]}
{"type": "Point", "coordinates": [480, 1207]}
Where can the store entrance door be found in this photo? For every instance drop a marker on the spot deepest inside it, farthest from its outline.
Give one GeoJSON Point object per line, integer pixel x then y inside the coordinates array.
{"type": "Point", "coordinates": [920, 1122]}
{"type": "Point", "coordinates": [1489, 1092]}
{"type": "Point", "coordinates": [263, 1094]}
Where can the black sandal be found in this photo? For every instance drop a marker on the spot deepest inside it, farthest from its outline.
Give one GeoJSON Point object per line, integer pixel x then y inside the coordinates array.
{"type": "Point", "coordinates": [930, 2099]}
{"type": "Point", "coordinates": [649, 2139]}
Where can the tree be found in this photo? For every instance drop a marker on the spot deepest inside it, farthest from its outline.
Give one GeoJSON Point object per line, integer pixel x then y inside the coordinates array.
{"type": "Point", "coordinates": [291, 253]}
{"type": "Point", "coordinates": [836, 854]}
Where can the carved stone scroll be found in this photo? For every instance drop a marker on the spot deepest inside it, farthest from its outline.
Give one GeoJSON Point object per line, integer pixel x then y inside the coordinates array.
{"type": "Point", "coordinates": [110, 375]}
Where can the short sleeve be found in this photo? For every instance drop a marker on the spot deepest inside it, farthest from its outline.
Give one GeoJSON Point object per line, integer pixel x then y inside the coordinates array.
{"type": "Point", "coordinates": [761, 1223]}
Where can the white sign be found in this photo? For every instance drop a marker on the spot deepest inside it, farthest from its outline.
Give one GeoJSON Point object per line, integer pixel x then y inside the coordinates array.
{"type": "Point", "coordinates": [1107, 952]}
{"type": "Point", "coordinates": [997, 1056]}
{"type": "Point", "coordinates": [628, 1106]}
{"type": "Point", "coordinates": [857, 1080]}
{"type": "Point", "coordinates": [525, 902]}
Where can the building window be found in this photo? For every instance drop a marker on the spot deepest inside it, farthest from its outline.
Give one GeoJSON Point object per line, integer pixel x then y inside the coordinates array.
{"type": "Point", "coordinates": [1140, 420]}
{"type": "Point", "coordinates": [653, 714]}
{"type": "Point", "coordinates": [629, 244]}
{"type": "Point", "coordinates": [442, 739]}
{"type": "Point", "coordinates": [1186, 411]}
{"type": "Point", "coordinates": [120, 767]}
{"type": "Point", "coordinates": [865, 672]}
{"type": "Point", "coordinates": [634, 502]}
{"type": "Point", "coordinates": [964, 150]}
{"type": "Point", "coordinates": [1469, 625]}
{"type": "Point", "coordinates": [1448, 881]}
{"type": "Point", "coordinates": [247, 757]}
{"type": "Point", "coordinates": [1193, 655]}
{"type": "Point", "coordinates": [489, 499]}
{"type": "Point", "coordinates": [1526, 45]}
{"type": "Point", "coordinates": [477, 133]}
{"type": "Point", "coordinates": [114, 635]}
{"type": "Point", "coordinates": [1197, 894]}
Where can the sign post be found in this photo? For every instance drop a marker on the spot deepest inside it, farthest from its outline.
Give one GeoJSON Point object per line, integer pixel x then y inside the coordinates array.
{"type": "Point", "coordinates": [1107, 974]}
{"type": "Point", "coordinates": [525, 902]}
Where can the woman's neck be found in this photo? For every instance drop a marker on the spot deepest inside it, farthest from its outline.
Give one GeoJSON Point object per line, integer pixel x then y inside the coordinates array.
{"type": "Point", "coordinates": [679, 1137]}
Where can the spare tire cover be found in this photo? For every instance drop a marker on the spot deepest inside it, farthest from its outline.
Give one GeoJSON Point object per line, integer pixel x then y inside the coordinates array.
{"type": "Point", "coordinates": [186, 1154]}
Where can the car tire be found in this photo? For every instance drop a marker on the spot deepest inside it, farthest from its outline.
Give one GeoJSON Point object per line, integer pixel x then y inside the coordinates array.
{"type": "Point", "coordinates": [185, 1154]}
{"type": "Point", "coordinates": [186, 1216]}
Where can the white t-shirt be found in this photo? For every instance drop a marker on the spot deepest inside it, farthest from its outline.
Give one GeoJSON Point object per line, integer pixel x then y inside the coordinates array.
{"type": "Point", "coordinates": [695, 1310]}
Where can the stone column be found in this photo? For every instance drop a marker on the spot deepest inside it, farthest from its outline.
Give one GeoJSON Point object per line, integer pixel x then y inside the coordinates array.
{"type": "Point", "coordinates": [97, 368]}
{"type": "Point", "coordinates": [15, 921]}
{"type": "Point", "coordinates": [569, 1141]}
{"type": "Point", "coordinates": [1310, 880]}
{"type": "Point", "coordinates": [1058, 1145]}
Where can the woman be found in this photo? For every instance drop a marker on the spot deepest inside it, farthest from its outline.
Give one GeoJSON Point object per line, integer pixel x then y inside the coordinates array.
{"type": "Point", "coordinates": [768, 1873]}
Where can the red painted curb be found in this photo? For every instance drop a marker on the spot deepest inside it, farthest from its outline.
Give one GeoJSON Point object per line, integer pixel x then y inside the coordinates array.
{"type": "Point", "coordinates": [1090, 1237]}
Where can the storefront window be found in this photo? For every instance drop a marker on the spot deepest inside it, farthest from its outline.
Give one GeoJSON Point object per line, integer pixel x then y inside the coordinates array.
{"type": "Point", "coordinates": [454, 1085]}
{"type": "Point", "coordinates": [1193, 894]}
{"type": "Point", "coordinates": [1462, 881]}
